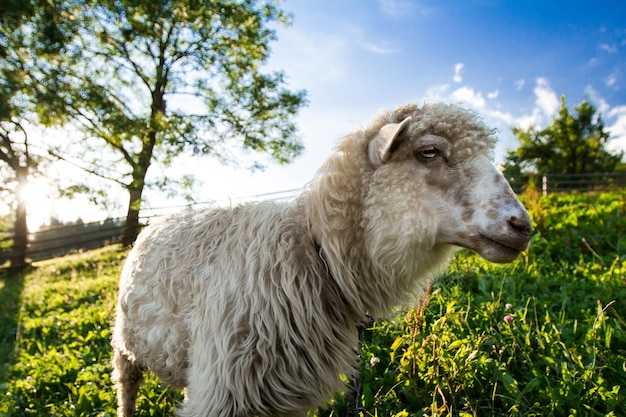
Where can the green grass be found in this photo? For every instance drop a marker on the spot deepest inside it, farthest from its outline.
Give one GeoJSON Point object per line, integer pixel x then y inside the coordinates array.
{"type": "Point", "coordinates": [10, 292]}
{"type": "Point", "coordinates": [60, 366]}
{"type": "Point", "coordinates": [543, 336]}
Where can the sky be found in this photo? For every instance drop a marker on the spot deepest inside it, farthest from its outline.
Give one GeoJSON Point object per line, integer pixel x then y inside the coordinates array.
{"type": "Point", "coordinates": [510, 61]}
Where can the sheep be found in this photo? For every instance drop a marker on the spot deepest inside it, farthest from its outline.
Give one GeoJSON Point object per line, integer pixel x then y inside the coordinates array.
{"type": "Point", "coordinates": [254, 309]}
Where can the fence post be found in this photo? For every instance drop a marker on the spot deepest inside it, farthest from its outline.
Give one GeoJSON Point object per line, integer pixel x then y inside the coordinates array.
{"type": "Point", "coordinates": [544, 185]}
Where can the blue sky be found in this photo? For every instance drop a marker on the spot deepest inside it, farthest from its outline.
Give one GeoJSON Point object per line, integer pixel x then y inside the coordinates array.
{"type": "Point", "coordinates": [508, 60]}
{"type": "Point", "coordinates": [392, 46]}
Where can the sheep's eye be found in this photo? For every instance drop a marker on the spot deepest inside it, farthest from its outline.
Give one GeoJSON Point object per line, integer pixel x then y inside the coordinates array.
{"type": "Point", "coordinates": [429, 152]}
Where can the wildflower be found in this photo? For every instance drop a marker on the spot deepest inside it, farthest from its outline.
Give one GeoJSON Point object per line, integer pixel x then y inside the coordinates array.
{"type": "Point", "coordinates": [508, 318]}
{"type": "Point", "coordinates": [374, 360]}
{"type": "Point", "coordinates": [508, 306]}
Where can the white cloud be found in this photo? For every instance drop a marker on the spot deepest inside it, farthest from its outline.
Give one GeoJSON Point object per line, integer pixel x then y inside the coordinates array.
{"type": "Point", "coordinates": [493, 94]}
{"type": "Point", "coordinates": [457, 73]}
{"type": "Point", "coordinates": [465, 96]}
{"type": "Point", "coordinates": [617, 129]}
{"type": "Point", "coordinates": [610, 49]}
{"type": "Point", "coordinates": [468, 96]}
{"type": "Point", "coordinates": [546, 106]}
{"type": "Point", "coordinates": [437, 93]}
{"type": "Point", "coordinates": [396, 8]}
{"type": "Point", "coordinates": [378, 48]}
{"type": "Point", "coordinates": [615, 119]}
{"type": "Point", "coordinates": [600, 103]}
{"type": "Point", "coordinates": [313, 58]}
{"type": "Point", "coordinates": [519, 84]}
{"type": "Point", "coordinates": [310, 56]}
{"type": "Point", "coordinates": [610, 80]}
{"type": "Point", "coordinates": [355, 36]}
{"type": "Point", "coordinates": [528, 120]}
{"type": "Point", "coordinates": [507, 118]}
{"type": "Point", "coordinates": [546, 99]}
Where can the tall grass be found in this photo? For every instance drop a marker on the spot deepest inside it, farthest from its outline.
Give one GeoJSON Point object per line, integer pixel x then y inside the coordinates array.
{"type": "Point", "coordinates": [544, 336]}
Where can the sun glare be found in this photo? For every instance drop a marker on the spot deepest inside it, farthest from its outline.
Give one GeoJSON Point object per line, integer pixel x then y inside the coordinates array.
{"type": "Point", "coordinates": [43, 204]}
{"type": "Point", "coordinates": [37, 195]}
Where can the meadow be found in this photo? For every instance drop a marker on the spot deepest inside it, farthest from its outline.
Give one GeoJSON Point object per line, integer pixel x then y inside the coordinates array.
{"type": "Point", "coordinates": [543, 336]}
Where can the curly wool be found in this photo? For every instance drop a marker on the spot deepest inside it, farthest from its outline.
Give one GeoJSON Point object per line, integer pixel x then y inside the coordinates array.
{"type": "Point", "coordinates": [254, 308]}
{"type": "Point", "coordinates": [380, 247]}
{"type": "Point", "coordinates": [203, 307]}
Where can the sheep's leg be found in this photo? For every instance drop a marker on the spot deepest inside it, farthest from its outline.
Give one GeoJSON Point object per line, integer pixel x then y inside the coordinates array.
{"type": "Point", "coordinates": [127, 377]}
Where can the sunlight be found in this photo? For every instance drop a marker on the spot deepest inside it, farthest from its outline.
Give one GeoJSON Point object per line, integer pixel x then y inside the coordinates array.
{"type": "Point", "coordinates": [44, 204]}
{"type": "Point", "coordinates": [38, 196]}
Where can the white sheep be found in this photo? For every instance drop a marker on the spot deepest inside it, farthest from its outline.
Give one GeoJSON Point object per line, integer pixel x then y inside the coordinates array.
{"type": "Point", "coordinates": [254, 309]}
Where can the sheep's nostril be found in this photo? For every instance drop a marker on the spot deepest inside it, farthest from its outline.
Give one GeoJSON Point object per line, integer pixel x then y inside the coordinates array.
{"type": "Point", "coordinates": [521, 226]}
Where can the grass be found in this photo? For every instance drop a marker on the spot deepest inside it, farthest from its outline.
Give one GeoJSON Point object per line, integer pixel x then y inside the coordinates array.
{"type": "Point", "coordinates": [60, 365]}
{"type": "Point", "coordinates": [10, 292]}
{"type": "Point", "coordinates": [543, 336]}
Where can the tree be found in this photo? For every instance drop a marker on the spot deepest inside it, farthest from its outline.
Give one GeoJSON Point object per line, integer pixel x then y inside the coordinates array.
{"type": "Point", "coordinates": [155, 78]}
{"type": "Point", "coordinates": [20, 163]}
{"type": "Point", "coordinates": [27, 28]}
{"type": "Point", "coordinates": [572, 144]}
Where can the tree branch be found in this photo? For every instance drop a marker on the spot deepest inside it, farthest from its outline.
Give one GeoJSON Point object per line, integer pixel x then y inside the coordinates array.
{"type": "Point", "coordinates": [10, 156]}
{"type": "Point", "coordinates": [88, 170]}
{"type": "Point", "coordinates": [94, 128]}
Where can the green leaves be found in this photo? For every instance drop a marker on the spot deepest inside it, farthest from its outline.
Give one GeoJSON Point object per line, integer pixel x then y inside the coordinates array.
{"type": "Point", "coordinates": [572, 144]}
{"type": "Point", "coordinates": [127, 68]}
{"type": "Point", "coordinates": [151, 54]}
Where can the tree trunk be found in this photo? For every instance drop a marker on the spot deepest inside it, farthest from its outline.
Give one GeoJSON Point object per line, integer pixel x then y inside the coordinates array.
{"type": "Point", "coordinates": [135, 191]}
{"type": "Point", "coordinates": [20, 227]}
{"type": "Point", "coordinates": [132, 226]}
{"type": "Point", "coordinates": [140, 167]}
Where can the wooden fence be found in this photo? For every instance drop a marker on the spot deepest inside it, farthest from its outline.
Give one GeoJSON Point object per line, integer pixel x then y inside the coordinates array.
{"type": "Point", "coordinates": [50, 242]}
{"type": "Point", "coordinates": [60, 240]}
{"type": "Point", "coordinates": [556, 183]}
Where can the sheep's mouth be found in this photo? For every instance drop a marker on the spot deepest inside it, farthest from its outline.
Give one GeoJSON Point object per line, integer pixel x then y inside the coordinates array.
{"type": "Point", "coordinates": [518, 245]}
{"type": "Point", "coordinates": [499, 250]}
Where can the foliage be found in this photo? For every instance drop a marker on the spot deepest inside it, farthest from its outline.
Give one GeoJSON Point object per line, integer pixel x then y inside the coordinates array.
{"type": "Point", "coordinates": [543, 336]}
{"type": "Point", "coordinates": [152, 79]}
{"type": "Point", "coordinates": [572, 144]}
{"type": "Point", "coordinates": [20, 92]}
{"type": "Point", "coordinates": [15, 159]}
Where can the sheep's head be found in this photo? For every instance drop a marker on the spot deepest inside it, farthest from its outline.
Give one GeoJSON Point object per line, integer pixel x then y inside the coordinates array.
{"type": "Point", "coordinates": [435, 184]}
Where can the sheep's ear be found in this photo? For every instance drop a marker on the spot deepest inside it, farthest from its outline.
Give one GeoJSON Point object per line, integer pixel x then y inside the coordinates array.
{"type": "Point", "coordinates": [387, 139]}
